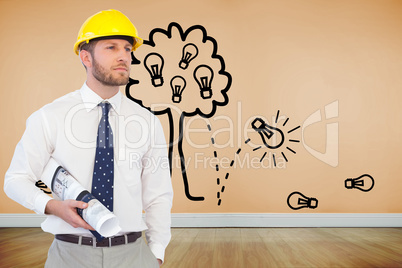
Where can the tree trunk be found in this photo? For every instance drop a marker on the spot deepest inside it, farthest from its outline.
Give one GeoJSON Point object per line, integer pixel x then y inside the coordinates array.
{"type": "Point", "coordinates": [176, 122]}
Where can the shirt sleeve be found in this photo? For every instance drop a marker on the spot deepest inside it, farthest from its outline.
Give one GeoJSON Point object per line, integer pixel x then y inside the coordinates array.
{"type": "Point", "coordinates": [157, 192]}
{"type": "Point", "coordinates": [31, 155]}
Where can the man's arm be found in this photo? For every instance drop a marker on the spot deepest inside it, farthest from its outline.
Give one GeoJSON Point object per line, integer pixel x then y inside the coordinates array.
{"type": "Point", "coordinates": [31, 155]}
{"type": "Point", "coordinates": [157, 193]}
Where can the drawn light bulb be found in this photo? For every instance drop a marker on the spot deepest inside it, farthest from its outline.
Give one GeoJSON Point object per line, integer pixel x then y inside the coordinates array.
{"type": "Point", "coordinates": [154, 64]}
{"type": "Point", "coordinates": [190, 51]}
{"type": "Point", "coordinates": [203, 75]}
{"type": "Point", "coordinates": [272, 137]}
{"type": "Point", "coordinates": [297, 200]}
{"type": "Point", "coordinates": [364, 183]}
{"type": "Point", "coordinates": [178, 84]}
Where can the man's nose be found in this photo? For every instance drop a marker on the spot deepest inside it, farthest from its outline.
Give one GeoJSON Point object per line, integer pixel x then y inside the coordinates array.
{"type": "Point", "coordinates": [124, 55]}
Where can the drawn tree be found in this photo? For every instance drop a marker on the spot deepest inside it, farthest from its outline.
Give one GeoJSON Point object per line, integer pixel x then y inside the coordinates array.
{"type": "Point", "coordinates": [180, 74]}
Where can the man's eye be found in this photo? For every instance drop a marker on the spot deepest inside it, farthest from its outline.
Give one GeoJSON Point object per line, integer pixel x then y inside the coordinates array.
{"type": "Point", "coordinates": [110, 47]}
{"type": "Point", "coordinates": [128, 49]}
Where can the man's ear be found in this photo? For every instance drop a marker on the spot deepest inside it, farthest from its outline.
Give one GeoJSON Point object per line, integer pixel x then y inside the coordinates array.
{"type": "Point", "coordinates": [86, 58]}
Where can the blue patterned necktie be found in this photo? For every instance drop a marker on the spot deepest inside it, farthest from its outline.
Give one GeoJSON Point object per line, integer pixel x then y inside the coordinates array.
{"type": "Point", "coordinates": [102, 181]}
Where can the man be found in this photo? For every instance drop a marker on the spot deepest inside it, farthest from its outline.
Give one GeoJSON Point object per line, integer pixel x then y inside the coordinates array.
{"type": "Point", "coordinates": [66, 131]}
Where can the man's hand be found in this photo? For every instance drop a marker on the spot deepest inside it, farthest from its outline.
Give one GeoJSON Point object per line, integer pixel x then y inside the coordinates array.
{"type": "Point", "coordinates": [67, 210]}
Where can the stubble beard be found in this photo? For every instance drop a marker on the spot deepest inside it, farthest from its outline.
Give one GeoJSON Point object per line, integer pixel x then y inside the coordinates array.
{"type": "Point", "coordinates": [106, 78]}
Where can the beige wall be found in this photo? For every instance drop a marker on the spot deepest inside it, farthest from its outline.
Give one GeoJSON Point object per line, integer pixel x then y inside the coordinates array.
{"type": "Point", "coordinates": [292, 56]}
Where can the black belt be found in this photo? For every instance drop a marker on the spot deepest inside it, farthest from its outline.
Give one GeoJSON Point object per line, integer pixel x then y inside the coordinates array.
{"type": "Point", "coordinates": [107, 242]}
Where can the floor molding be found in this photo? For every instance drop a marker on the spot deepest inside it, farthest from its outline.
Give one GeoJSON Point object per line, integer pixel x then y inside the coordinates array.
{"type": "Point", "coordinates": [288, 220]}
{"type": "Point", "coordinates": [248, 220]}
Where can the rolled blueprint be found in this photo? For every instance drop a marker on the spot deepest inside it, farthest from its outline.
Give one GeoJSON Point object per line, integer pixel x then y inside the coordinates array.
{"type": "Point", "coordinates": [66, 187]}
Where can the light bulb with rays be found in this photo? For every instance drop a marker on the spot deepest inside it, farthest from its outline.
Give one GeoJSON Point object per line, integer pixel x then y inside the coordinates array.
{"type": "Point", "coordinates": [154, 62]}
{"type": "Point", "coordinates": [297, 200]}
{"type": "Point", "coordinates": [273, 137]}
{"type": "Point", "coordinates": [190, 51]}
{"type": "Point", "coordinates": [178, 84]}
{"type": "Point", "coordinates": [204, 75]}
{"type": "Point", "coordinates": [267, 132]}
{"type": "Point", "coordinates": [364, 183]}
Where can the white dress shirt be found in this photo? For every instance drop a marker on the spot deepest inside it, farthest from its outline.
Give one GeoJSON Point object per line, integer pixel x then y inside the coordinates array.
{"type": "Point", "coordinates": [66, 130]}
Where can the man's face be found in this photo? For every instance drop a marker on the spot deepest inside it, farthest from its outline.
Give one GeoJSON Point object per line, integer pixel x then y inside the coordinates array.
{"type": "Point", "coordinates": [111, 62]}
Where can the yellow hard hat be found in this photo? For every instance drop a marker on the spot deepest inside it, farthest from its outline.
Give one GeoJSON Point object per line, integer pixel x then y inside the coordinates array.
{"type": "Point", "coordinates": [107, 23]}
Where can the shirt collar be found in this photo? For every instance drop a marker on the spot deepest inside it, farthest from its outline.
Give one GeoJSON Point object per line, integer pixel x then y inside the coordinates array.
{"type": "Point", "coordinates": [91, 99]}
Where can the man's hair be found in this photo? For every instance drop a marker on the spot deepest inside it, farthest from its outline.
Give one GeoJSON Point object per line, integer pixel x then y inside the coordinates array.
{"type": "Point", "coordinates": [90, 46]}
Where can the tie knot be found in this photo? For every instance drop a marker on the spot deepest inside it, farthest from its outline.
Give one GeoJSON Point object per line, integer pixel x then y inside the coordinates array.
{"type": "Point", "coordinates": [105, 108]}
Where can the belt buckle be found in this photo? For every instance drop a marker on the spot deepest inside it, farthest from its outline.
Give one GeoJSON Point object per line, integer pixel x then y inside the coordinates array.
{"type": "Point", "coordinates": [95, 242]}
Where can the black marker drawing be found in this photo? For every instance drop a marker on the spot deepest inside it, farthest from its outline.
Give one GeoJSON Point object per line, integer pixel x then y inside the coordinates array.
{"type": "Point", "coordinates": [204, 75]}
{"type": "Point", "coordinates": [204, 63]}
{"type": "Point", "coordinates": [266, 132]}
{"type": "Point", "coordinates": [178, 84]}
{"type": "Point", "coordinates": [273, 137]}
{"type": "Point", "coordinates": [190, 51]}
{"type": "Point", "coordinates": [41, 185]}
{"type": "Point", "coordinates": [218, 180]}
{"type": "Point", "coordinates": [154, 62]}
{"type": "Point", "coordinates": [364, 183]}
{"type": "Point", "coordinates": [297, 200]}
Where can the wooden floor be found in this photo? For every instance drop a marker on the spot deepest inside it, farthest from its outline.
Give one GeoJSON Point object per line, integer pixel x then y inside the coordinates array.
{"type": "Point", "coordinates": [240, 247]}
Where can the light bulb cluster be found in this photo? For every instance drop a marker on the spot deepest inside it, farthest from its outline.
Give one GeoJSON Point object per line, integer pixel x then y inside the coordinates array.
{"type": "Point", "coordinates": [203, 74]}
{"type": "Point", "coordinates": [273, 138]}
{"type": "Point", "coordinates": [297, 200]}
